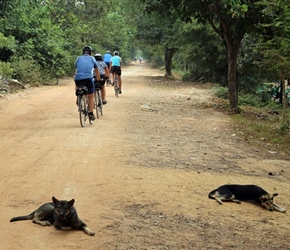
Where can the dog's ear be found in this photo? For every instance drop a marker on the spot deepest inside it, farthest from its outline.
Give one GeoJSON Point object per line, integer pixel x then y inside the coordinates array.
{"type": "Point", "coordinates": [54, 200]}
{"type": "Point", "coordinates": [71, 202]}
{"type": "Point", "coordinates": [273, 195]}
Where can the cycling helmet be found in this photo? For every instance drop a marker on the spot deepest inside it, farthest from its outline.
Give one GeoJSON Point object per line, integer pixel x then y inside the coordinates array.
{"type": "Point", "coordinates": [116, 53]}
{"type": "Point", "coordinates": [98, 57]}
{"type": "Point", "coordinates": [108, 51]}
{"type": "Point", "coordinates": [87, 50]}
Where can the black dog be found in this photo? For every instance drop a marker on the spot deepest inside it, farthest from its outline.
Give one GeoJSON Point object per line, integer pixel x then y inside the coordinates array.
{"type": "Point", "coordinates": [237, 193]}
{"type": "Point", "coordinates": [62, 214]}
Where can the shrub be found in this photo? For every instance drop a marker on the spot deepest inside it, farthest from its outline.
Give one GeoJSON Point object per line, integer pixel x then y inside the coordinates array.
{"type": "Point", "coordinates": [6, 70]}
{"type": "Point", "coordinates": [221, 92]}
{"type": "Point", "coordinates": [27, 71]}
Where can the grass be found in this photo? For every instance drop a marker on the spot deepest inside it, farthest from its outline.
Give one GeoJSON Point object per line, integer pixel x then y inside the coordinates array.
{"type": "Point", "coordinates": [259, 121]}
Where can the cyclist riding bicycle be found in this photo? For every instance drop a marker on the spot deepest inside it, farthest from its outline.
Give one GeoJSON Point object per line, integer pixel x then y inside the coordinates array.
{"type": "Point", "coordinates": [85, 64]}
{"type": "Point", "coordinates": [107, 58]}
{"type": "Point", "coordinates": [115, 65]}
{"type": "Point", "coordinates": [104, 74]}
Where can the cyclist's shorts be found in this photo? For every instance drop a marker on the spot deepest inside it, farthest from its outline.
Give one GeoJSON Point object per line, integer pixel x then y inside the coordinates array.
{"type": "Point", "coordinates": [117, 70]}
{"type": "Point", "coordinates": [89, 83]}
{"type": "Point", "coordinates": [100, 84]}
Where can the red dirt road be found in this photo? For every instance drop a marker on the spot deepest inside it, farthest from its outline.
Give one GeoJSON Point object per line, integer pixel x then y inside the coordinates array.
{"type": "Point", "coordinates": [140, 174]}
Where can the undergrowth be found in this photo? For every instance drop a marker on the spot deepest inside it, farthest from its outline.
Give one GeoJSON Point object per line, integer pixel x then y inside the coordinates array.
{"type": "Point", "coordinates": [259, 121]}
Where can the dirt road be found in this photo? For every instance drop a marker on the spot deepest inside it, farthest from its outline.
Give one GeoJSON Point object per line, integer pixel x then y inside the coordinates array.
{"type": "Point", "coordinates": [140, 175]}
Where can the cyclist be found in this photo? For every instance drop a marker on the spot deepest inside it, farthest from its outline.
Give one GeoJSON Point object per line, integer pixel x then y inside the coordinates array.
{"type": "Point", "coordinates": [107, 58]}
{"type": "Point", "coordinates": [85, 64]}
{"type": "Point", "coordinates": [104, 74]}
{"type": "Point", "coordinates": [115, 65]}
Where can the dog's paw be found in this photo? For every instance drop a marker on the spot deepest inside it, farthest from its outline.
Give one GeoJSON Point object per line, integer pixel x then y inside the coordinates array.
{"type": "Point", "coordinates": [45, 223]}
{"type": "Point", "coordinates": [89, 231]}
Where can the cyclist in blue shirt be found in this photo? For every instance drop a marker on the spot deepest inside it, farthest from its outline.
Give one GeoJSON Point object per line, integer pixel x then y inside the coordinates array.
{"type": "Point", "coordinates": [85, 64]}
{"type": "Point", "coordinates": [115, 65]}
{"type": "Point", "coordinates": [107, 58]}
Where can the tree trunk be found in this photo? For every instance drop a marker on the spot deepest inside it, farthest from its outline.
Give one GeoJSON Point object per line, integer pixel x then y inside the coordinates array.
{"type": "Point", "coordinates": [284, 98]}
{"type": "Point", "coordinates": [169, 52]}
{"type": "Point", "coordinates": [232, 57]}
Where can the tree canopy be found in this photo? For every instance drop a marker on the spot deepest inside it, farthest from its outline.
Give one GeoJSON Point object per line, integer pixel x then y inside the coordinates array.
{"type": "Point", "coordinates": [230, 19]}
{"type": "Point", "coordinates": [225, 41]}
{"type": "Point", "coordinates": [48, 35]}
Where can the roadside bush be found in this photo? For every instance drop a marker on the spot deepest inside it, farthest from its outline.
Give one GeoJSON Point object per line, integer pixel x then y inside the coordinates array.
{"type": "Point", "coordinates": [187, 77]}
{"type": "Point", "coordinates": [6, 70]}
{"type": "Point", "coordinates": [27, 71]}
{"type": "Point", "coordinates": [248, 99]}
{"type": "Point", "coordinates": [285, 128]}
{"type": "Point", "coordinates": [221, 92]}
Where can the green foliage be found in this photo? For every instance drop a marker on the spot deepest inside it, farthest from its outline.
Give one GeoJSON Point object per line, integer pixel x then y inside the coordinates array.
{"type": "Point", "coordinates": [200, 60]}
{"type": "Point", "coordinates": [285, 127]}
{"type": "Point", "coordinates": [51, 34]}
{"type": "Point", "coordinates": [251, 100]}
{"type": "Point", "coordinates": [6, 42]}
{"type": "Point", "coordinates": [5, 70]}
{"type": "Point", "coordinates": [230, 19]}
{"type": "Point", "coordinates": [221, 92]}
{"type": "Point", "coordinates": [27, 71]}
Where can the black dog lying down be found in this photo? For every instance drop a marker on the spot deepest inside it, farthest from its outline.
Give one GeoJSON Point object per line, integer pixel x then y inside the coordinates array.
{"type": "Point", "coordinates": [238, 193]}
{"type": "Point", "coordinates": [62, 214]}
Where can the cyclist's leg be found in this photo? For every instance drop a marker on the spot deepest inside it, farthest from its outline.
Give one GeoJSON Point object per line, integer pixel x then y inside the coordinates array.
{"type": "Point", "coordinates": [109, 79]}
{"type": "Point", "coordinates": [120, 80]}
{"type": "Point", "coordinates": [77, 84]}
{"type": "Point", "coordinates": [103, 94]}
{"type": "Point", "coordinates": [91, 89]}
{"type": "Point", "coordinates": [103, 90]}
{"type": "Point", "coordinates": [111, 76]}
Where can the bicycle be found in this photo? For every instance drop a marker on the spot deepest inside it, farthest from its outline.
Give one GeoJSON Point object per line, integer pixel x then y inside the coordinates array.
{"type": "Point", "coordinates": [116, 84]}
{"type": "Point", "coordinates": [82, 102]}
{"type": "Point", "coordinates": [98, 100]}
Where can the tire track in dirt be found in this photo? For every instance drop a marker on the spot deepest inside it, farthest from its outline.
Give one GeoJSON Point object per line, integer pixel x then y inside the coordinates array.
{"type": "Point", "coordinates": [140, 175]}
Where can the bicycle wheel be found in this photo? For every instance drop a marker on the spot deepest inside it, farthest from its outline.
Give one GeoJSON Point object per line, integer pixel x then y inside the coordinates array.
{"type": "Point", "coordinates": [82, 110]}
{"type": "Point", "coordinates": [100, 103]}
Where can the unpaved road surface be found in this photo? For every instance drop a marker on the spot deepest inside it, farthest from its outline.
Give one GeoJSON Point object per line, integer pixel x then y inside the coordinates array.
{"type": "Point", "coordinates": [140, 174]}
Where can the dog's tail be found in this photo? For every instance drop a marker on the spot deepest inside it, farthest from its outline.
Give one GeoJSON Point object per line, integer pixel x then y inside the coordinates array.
{"type": "Point", "coordinates": [25, 217]}
{"type": "Point", "coordinates": [211, 194]}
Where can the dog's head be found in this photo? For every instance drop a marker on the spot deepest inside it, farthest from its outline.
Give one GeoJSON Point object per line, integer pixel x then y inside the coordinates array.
{"type": "Point", "coordinates": [267, 201]}
{"type": "Point", "coordinates": [62, 207]}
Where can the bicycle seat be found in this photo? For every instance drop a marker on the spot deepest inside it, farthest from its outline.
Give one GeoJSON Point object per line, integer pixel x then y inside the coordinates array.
{"type": "Point", "coordinates": [81, 90]}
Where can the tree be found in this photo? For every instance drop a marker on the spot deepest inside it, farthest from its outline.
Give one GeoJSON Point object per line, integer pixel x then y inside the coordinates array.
{"type": "Point", "coordinates": [201, 60]}
{"type": "Point", "coordinates": [274, 45]}
{"type": "Point", "coordinates": [230, 19]}
{"type": "Point", "coordinates": [51, 33]}
{"type": "Point", "coordinates": [151, 33]}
